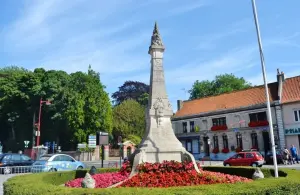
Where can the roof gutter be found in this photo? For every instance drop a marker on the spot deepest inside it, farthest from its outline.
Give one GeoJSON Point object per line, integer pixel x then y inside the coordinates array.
{"type": "Point", "coordinates": [224, 111]}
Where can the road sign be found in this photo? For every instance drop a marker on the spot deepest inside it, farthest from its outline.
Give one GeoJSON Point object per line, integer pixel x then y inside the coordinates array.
{"type": "Point", "coordinates": [81, 145]}
{"type": "Point", "coordinates": [103, 138]}
{"type": "Point", "coordinates": [92, 141]}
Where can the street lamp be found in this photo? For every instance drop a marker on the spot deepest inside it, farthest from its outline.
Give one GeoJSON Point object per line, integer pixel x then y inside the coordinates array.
{"type": "Point", "coordinates": [266, 88]}
{"type": "Point", "coordinates": [38, 134]}
{"type": "Point", "coordinates": [120, 144]}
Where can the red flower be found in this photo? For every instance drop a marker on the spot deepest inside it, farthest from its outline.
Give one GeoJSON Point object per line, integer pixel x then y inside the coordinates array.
{"type": "Point", "coordinates": [225, 150]}
{"type": "Point", "coordinates": [219, 127]}
{"type": "Point", "coordinates": [215, 150]}
{"type": "Point", "coordinates": [258, 123]}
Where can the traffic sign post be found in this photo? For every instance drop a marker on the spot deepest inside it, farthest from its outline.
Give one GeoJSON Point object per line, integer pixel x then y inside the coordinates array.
{"type": "Point", "coordinates": [92, 141]}
{"type": "Point", "coordinates": [103, 140]}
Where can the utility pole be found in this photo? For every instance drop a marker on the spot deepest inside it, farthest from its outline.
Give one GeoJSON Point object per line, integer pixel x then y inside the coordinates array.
{"type": "Point", "coordinates": [266, 88]}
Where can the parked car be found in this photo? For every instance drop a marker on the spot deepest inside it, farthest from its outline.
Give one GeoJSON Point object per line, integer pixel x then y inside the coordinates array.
{"type": "Point", "coordinates": [269, 157]}
{"type": "Point", "coordinates": [15, 163]}
{"type": "Point", "coordinates": [56, 162]}
{"type": "Point", "coordinates": [251, 158]}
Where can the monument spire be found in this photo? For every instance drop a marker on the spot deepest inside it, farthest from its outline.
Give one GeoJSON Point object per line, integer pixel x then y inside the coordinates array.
{"type": "Point", "coordinates": [156, 40]}
{"type": "Point", "coordinates": [159, 141]}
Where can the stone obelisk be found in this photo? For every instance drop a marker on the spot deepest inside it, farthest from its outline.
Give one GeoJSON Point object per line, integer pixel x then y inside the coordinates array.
{"type": "Point", "coordinates": [159, 142]}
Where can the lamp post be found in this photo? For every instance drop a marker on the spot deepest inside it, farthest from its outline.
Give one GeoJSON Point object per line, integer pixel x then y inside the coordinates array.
{"type": "Point", "coordinates": [120, 144]}
{"type": "Point", "coordinates": [266, 88]}
{"type": "Point", "coordinates": [38, 134]}
{"type": "Point", "coordinates": [208, 142]}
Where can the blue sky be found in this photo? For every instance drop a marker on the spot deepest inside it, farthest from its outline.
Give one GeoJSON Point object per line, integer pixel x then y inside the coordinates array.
{"type": "Point", "coordinates": [203, 38]}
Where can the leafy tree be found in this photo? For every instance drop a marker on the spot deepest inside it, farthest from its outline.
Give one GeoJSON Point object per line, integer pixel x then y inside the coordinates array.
{"type": "Point", "coordinates": [129, 120]}
{"type": "Point", "coordinates": [88, 106]}
{"type": "Point", "coordinates": [79, 106]}
{"type": "Point", "coordinates": [134, 90]}
{"type": "Point", "coordinates": [221, 84]}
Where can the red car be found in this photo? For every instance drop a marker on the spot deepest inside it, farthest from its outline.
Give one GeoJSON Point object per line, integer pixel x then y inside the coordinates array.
{"type": "Point", "coordinates": [252, 158]}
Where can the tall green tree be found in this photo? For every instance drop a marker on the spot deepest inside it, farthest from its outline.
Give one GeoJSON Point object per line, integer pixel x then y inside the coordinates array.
{"type": "Point", "coordinates": [88, 106]}
{"type": "Point", "coordinates": [129, 120]}
{"type": "Point", "coordinates": [223, 83]}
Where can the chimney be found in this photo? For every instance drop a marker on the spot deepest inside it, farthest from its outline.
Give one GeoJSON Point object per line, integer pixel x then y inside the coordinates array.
{"type": "Point", "coordinates": [280, 80]}
{"type": "Point", "coordinates": [179, 104]}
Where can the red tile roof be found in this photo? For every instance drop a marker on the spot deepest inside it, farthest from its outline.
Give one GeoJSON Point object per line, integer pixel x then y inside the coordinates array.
{"type": "Point", "coordinates": [291, 90]}
{"type": "Point", "coordinates": [242, 98]}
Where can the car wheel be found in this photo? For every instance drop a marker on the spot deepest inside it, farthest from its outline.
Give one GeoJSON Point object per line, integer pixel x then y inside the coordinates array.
{"type": "Point", "coordinates": [79, 168]}
{"type": "Point", "coordinates": [254, 165]}
{"type": "Point", "coordinates": [227, 165]}
{"type": "Point", "coordinates": [7, 170]}
{"type": "Point", "coordinates": [52, 170]}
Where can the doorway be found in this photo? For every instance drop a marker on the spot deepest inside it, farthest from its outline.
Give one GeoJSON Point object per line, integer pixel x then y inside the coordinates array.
{"type": "Point", "coordinates": [266, 139]}
{"type": "Point", "coordinates": [206, 146]}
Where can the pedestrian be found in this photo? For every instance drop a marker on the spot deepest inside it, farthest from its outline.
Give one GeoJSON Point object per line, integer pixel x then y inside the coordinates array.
{"type": "Point", "coordinates": [294, 154]}
{"type": "Point", "coordinates": [286, 156]}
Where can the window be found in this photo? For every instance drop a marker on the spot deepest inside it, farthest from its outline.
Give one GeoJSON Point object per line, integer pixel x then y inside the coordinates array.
{"type": "Point", "coordinates": [216, 142]}
{"type": "Point", "coordinates": [195, 146]}
{"type": "Point", "coordinates": [239, 140]}
{"type": "Point", "coordinates": [249, 155]}
{"type": "Point", "coordinates": [16, 157]}
{"type": "Point", "coordinates": [25, 158]}
{"type": "Point", "coordinates": [259, 116]}
{"type": "Point", "coordinates": [219, 121]}
{"type": "Point", "coordinates": [297, 115]}
{"type": "Point", "coordinates": [254, 140]}
{"type": "Point", "coordinates": [6, 158]}
{"type": "Point", "coordinates": [189, 146]}
{"type": "Point", "coordinates": [239, 155]}
{"type": "Point", "coordinates": [192, 127]}
{"type": "Point", "coordinates": [184, 125]}
{"type": "Point", "coordinates": [66, 158]}
{"type": "Point", "coordinates": [225, 141]}
{"type": "Point", "coordinates": [58, 158]}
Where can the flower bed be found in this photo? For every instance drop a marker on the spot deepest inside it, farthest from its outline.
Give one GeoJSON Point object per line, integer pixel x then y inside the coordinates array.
{"type": "Point", "coordinates": [103, 180]}
{"type": "Point", "coordinates": [215, 150]}
{"type": "Point", "coordinates": [189, 178]}
{"type": "Point", "coordinates": [165, 174]}
{"type": "Point", "coordinates": [258, 123]}
{"type": "Point", "coordinates": [225, 150]}
{"type": "Point", "coordinates": [219, 127]}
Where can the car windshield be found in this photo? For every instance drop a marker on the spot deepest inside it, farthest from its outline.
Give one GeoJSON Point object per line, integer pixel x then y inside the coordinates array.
{"type": "Point", "coordinates": [45, 158]}
{"type": "Point", "coordinates": [258, 154]}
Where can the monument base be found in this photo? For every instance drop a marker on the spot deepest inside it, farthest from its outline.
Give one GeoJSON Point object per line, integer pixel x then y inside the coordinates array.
{"type": "Point", "coordinates": [153, 155]}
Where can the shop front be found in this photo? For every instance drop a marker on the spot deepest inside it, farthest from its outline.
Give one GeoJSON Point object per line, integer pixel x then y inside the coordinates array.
{"type": "Point", "coordinates": [292, 137]}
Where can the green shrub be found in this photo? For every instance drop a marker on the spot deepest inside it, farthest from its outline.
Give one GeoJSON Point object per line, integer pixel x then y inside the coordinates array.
{"type": "Point", "coordinates": [49, 184]}
{"type": "Point", "coordinates": [244, 171]}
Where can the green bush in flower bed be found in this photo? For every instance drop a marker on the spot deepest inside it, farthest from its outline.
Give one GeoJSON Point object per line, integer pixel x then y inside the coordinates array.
{"type": "Point", "coordinates": [50, 184]}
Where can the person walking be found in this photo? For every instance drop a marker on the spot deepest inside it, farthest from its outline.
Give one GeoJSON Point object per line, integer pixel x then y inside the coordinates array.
{"type": "Point", "coordinates": [294, 154]}
{"type": "Point", "coordinates": [286, 156]}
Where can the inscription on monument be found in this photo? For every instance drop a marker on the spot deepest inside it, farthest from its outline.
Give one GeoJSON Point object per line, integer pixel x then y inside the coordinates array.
{"type": "Point", "coordinates": [158, 64]}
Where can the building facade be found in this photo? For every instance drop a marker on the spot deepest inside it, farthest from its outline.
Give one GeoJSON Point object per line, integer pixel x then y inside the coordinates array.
{"type": "Point", "coordinates": [218, 126]}
{"type": "Point", "coordinates": [291, 111]}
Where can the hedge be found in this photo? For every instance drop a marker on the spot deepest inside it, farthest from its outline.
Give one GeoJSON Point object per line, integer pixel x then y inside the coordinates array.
{"type": "Point", "coordinates": [50, 184]}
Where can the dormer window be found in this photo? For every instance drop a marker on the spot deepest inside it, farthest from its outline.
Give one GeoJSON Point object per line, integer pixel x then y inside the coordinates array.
{"type": "Point", "coordinates": [192, 126]}
{"type": "Point", "coordinates": [219, 121]}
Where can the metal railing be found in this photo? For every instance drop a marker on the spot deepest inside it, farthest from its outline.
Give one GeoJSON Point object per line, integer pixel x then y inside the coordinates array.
{"type": "Point", "coordinates": [49, 168]}
{"type": "Point", "coordinates": [24, 169]}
